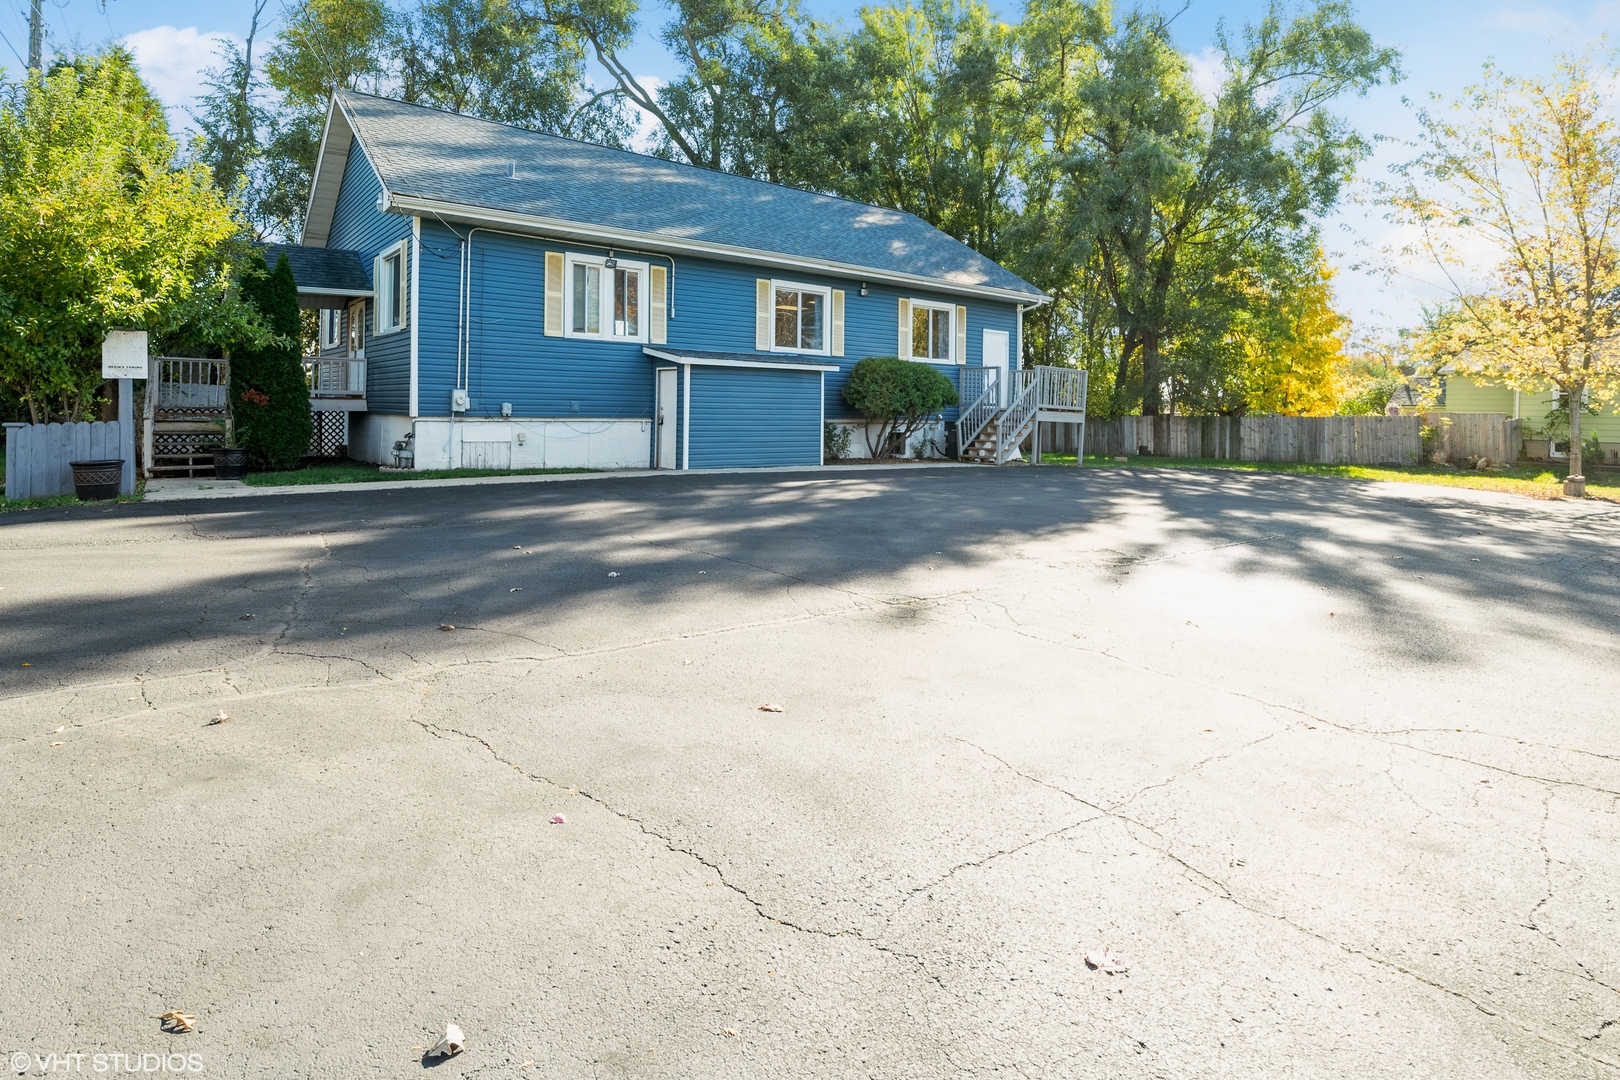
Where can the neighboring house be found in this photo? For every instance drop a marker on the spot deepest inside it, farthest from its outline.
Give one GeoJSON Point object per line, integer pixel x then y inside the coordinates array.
{"type": "Point", "coordinates": [527, 300]}
{"type": "Point", "coordinates": [1470, 394]}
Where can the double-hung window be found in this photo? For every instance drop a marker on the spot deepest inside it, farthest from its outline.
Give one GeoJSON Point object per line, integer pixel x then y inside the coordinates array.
{"type": "Point", "coordinates": [932, 335]}
{"type": "Point", "coordinates": [606, 298]}
{"type": "Point", "coordinates": [391, 290]}
{"type": "Point", "coordinates": [801, 317]}
{"type": "Point", "coordinates": [331, 328]}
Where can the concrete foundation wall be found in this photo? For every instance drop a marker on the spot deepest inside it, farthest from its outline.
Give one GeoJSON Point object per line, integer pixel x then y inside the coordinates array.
{"type": "Point", "coordinates": [533, 443]}
{"type": "Point", "coordinates": [372, 436]}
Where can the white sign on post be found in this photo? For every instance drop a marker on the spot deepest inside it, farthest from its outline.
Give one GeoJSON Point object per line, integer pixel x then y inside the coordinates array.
{"type": "Point", "coordinates": [123, 355]}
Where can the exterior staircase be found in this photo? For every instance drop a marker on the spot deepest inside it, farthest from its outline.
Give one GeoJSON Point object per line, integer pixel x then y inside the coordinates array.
{"type": "Point", "coordinates": [993, 424]}
{"type": "Point", "coordinates": [186, 406]}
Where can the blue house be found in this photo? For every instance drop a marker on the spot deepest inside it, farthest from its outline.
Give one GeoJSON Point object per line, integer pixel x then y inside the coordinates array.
{"type": "Point", "coordinates": [512, 299]}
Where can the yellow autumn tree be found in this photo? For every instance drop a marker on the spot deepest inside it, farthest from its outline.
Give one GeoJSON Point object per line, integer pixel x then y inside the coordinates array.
{"type": "Point", "coordinates": [1528, 169]}
{"type": "Point", "coordinates": [1295, 372]}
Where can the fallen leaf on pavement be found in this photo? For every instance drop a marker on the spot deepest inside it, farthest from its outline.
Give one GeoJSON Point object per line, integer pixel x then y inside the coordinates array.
{"type": "Point", "coordinates": [220, 719]}
{"type": "Point", "coordinates": [446, 626]}
{"type": "Point", "coordinates": [175, 1022]}
{"type": "Point", "coordinates": [241, 618]}
{"type": "Point", "coordinates": [452, 1043]}
{"type": "Point", "coordinates": [558, 819]}
{"type": "Point", "coordinates": [58, 743]}
{"type": "Point", "coordinates": [518, 589]}
{"type": "Point", "coordinates": [731, 1032]}
{"type": "Point", "coordinates": [771, 706]}
{"type": "Point", "coordinates": [1106, 962]}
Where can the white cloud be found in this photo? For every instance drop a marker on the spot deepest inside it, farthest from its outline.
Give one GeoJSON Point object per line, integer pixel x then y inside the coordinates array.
{"type": "Point", "coordinates": [172, 60]}
{"type": "Point", "coordinates": [1208, 71]}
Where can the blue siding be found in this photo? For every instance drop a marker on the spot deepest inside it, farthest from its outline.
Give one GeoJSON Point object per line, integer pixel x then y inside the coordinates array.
{"type": "Point", "coordinates": [358, 225]}
{"type": "Point", "coordinates": [752, 416]}
{"type": "Point", "coordinates": [511, 359]}
{"type": "Point", "coordinates": [438, 308]}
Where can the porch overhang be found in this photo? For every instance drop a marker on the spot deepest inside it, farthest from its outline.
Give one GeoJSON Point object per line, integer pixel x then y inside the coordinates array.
{"type": "Point", "coordinates": [710, 358]}
{"type": "Point", "coordinates": [326, 277]}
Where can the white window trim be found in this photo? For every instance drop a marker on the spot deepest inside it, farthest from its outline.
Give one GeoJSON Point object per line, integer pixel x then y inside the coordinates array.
{"type": "Point", "coordinates": [950, 338]}
{"type": "Point", "coordinates": [573, 259]}
{"type": "Point", "coordinates": [331, 328]}
{"type": "Point", "coordinates": [355, 326]}
{"type": "Point", "coordinates": [384, 299]}
{"type": "Point", "coordinates": [825, 292]}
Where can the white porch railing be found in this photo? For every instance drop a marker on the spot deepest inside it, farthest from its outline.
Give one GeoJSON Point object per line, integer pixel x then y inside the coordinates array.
{"type": "Point", "coordinates": [181, 384]}
{"type": "Point", "coordinates": [1032, 395]}
{"type": "Point", "coordinates": [187, 398]}
{"type": "Point", "coordinates": [980, 397]}
{"type": "Point", "coordinates": [1061, 389]}
{"type": "Point", "coordinates": [335, 377]}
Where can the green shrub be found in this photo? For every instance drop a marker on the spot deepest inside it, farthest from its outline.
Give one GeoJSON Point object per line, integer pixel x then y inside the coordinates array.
{"type": "Point", "coordinates": [899, 396]}
{"type": "Point", "coordinates": [270, 394]}
{"type": "Point", "coordinates": [834, 441]}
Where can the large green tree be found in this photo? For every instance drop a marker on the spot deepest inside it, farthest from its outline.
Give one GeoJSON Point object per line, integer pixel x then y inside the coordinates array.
{"type": "Point", "coordinates": [101, 227]}
{"type": "Point", "coordinates": [501, 60]}
{"type": "Point", "coordinates": [1171, 192]}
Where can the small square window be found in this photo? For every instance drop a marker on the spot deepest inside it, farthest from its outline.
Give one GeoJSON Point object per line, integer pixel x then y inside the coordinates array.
{"type": "Point", "coordinates": [931, 332]}
{"type": "Point", "coordinates": [605, 301]}
{"type": "Point", "coordinates": [801, 318]}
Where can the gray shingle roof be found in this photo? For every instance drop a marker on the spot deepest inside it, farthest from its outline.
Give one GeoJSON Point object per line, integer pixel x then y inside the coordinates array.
{"type": "Point", "coordinates": [321, 269]}
{"type": "Point", "coordinates": [427, 154]}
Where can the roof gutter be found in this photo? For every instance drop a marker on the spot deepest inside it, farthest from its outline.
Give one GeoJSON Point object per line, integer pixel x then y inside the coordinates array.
{"type": "Point", "coordinates": [591, 234]}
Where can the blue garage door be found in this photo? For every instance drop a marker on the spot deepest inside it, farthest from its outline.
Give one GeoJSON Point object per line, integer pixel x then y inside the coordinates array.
{"type": "Point", "coordinates": [754, 416]}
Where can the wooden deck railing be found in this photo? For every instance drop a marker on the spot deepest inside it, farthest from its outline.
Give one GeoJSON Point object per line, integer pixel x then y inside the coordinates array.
{"type": "Point", "coordinates": [183, 384]}
{"type": "Point", "coordinates": [335, 377]}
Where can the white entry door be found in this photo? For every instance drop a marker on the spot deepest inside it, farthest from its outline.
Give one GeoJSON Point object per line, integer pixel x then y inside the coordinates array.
{"type": "Point", "coordinates": [666, 418]}
{"type": "Point", "coordinates": [996, 352]}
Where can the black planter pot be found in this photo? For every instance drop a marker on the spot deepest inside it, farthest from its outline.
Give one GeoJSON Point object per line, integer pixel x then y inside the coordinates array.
{"type": "Point", "coordinates": [97, 479]}
{"type": "Point", "coordinates": [230, 463]}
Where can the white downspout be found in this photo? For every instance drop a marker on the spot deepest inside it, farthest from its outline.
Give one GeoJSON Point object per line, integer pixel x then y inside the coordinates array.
{"type": "Point", "coordinates": [416, 291]}
{"type": "Point", "coordinates": [686, 422]}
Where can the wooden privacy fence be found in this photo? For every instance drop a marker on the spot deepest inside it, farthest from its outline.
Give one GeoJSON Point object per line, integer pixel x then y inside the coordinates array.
{"type": "Point", "coordinates": [1316, 440]}
{"type": "Point", "coordinates": [37, 456]}
{"type": "Point", "coordinates": [1461, 436]}
{"type": "Point", "coordinates": [1060, 438]}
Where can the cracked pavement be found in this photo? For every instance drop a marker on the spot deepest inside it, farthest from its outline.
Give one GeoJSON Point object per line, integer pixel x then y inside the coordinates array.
{"type": "Point", "coordinates": [1333, 766]}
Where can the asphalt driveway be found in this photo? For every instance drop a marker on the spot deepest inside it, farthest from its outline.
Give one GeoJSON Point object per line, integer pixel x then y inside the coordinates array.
{"type": "Point", "coordinates": [1333, 767]}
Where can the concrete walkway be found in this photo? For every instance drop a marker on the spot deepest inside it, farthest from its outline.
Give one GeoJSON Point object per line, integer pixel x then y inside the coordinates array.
{"type": "Point", "coordinates": [173, 489]}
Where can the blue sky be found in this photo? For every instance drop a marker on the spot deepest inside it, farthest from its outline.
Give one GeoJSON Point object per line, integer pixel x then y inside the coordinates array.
{"type": "Point", "coordinates": [1444, 44]}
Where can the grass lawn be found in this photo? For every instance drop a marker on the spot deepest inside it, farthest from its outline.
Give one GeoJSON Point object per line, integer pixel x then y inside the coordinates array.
{"type": "Point", "coordinates": [1535, 479]}
{"type": "Point", "coordinates": [7, 505]}
{"type": "Point", "coordinates": [358, 472]}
